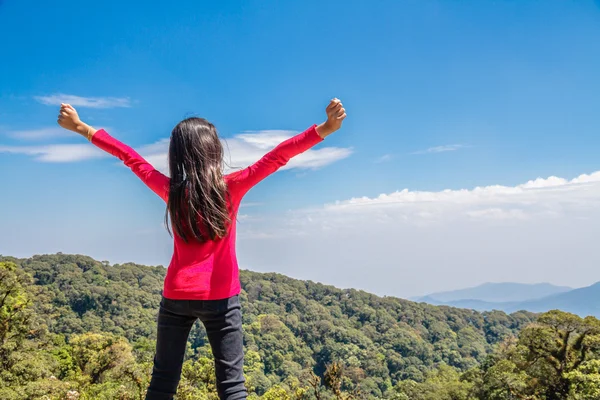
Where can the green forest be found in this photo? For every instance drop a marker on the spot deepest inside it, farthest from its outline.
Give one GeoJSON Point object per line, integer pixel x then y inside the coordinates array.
{"type": "Point", "coordinates": [74, 328]}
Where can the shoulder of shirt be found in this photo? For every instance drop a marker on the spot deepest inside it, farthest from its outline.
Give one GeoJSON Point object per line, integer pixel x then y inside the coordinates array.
{"type": "Point", "coordinates": [234, 176]}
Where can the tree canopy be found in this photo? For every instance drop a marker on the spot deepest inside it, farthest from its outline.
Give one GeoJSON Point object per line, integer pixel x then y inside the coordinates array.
{"type": "Point", "coordinates": [71, 324]}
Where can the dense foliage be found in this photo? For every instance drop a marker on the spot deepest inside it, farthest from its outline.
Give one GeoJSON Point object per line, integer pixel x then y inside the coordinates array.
{"type": "Point", "coordinates": [72, 327]}
{"type": "Point", "coordinates": [556, 358]}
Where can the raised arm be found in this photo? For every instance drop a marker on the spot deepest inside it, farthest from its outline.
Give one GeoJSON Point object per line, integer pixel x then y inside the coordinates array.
{"type": "Point", "coordinates": [242, 181]}
{"type": "Point", "coordinates": [156, 181]}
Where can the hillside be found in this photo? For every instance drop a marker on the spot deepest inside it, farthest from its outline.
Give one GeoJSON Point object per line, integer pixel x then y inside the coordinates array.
{"type": "Point", "coordinates": [505, 292]}
{"type": "Point", "coordinates": [293, 327]}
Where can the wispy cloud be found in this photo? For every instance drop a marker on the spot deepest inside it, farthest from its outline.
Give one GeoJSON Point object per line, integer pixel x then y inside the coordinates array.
{"type": "Point", "coordinates": [79, 101]}
{"type": "Point", "coordinates": [384, 158]}
{"type": "Point", "coordinates": [440, 149]}
{"type": "Point", "coordinates": [542, 197]}
{"type": "Point", "coordinates": [241, 151]}
{"type": "Point", "coordinates": [251, 204]}
{"type": "Point", "coordinates": [497, 214]}
{"type": "Point", "coordinates": [539, 199]}
{"type": "Point", "coordinates": [458, 237]}
{"type": "Point", "coordinates": [40, 134]}
{"type": "Point", "coordinates": [245, 149]}
{"type": "Point", "coordinates": [58, 153]}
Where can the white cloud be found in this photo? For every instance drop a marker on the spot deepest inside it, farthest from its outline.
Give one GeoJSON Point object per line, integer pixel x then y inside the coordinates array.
{"type": "Point", "coordinates": [56, 153]}
{"type": "Point", "coordinates": [412, 242]}
{"type": "Point", "coordinates": [156, 154]}
{"type": "Point", "coordinates": [245, 149]}
{"type": "Point", "coordinates": [265, 139]}
{"type": "Point", "coordinates": [497, 214]}
{"type": "Point", "coordinates": [535, 196]}
{"type": "Point", "coordinates": [78, 101]}
{"type": "Point", "coordinates": [241, 151]}
{"type": "Point", "coordinates": [40, 134]}
{"type": "Point", "coordinates": [440, 149]}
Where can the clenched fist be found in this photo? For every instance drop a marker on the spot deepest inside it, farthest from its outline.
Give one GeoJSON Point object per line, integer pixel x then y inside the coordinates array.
{"type": "Point", "coordinates": [335, 116]}
{"type": "Point", "coordinates": [69, 119]}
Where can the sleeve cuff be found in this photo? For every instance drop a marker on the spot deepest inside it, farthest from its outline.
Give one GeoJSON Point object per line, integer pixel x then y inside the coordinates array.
{"type": "Point", "coordinates": [314, 135]}
{"type": "Point", "coordinates": [104, 141]}
{"type": "Point", "coordinates": [98, 136]}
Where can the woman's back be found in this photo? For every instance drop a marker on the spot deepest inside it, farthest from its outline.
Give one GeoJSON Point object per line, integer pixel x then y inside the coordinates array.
{"type": "Point", "coordinates": [204, 270]}
{"type": "Point", "coordinates": [207, 269]}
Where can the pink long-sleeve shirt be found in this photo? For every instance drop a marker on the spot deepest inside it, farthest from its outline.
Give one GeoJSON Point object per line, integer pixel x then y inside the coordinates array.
{"type": "Point", "coordinates": [207, 270]}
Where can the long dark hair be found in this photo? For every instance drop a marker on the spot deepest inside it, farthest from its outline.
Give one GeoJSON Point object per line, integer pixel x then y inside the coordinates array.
{"type": "Point", "coordinates": [198, 194]}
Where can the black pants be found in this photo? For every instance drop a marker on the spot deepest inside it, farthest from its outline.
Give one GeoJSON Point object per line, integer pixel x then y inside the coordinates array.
{"type": "Point", "coordinates": [223, 322]}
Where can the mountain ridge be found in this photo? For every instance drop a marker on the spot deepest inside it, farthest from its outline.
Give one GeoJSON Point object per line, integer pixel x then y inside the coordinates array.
{"type": "Point", "coordinates": [582, 301]}
{"type": "Point", "coordinates": [499, 292]}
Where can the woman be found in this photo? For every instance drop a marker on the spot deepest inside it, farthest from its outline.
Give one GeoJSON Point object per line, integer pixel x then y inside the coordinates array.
{"type": "Point", "coordinates": [202, 280]}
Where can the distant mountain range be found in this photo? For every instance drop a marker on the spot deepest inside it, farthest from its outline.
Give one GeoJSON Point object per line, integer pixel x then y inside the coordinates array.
{"type": "Point", "coordinates": [511, 297]}
{"type": "Point", "coordinates": [500, 292]}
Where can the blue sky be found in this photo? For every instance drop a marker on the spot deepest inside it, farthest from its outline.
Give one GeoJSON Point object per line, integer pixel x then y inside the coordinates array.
{"type": "Point", "coordinates": [440, 95]}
